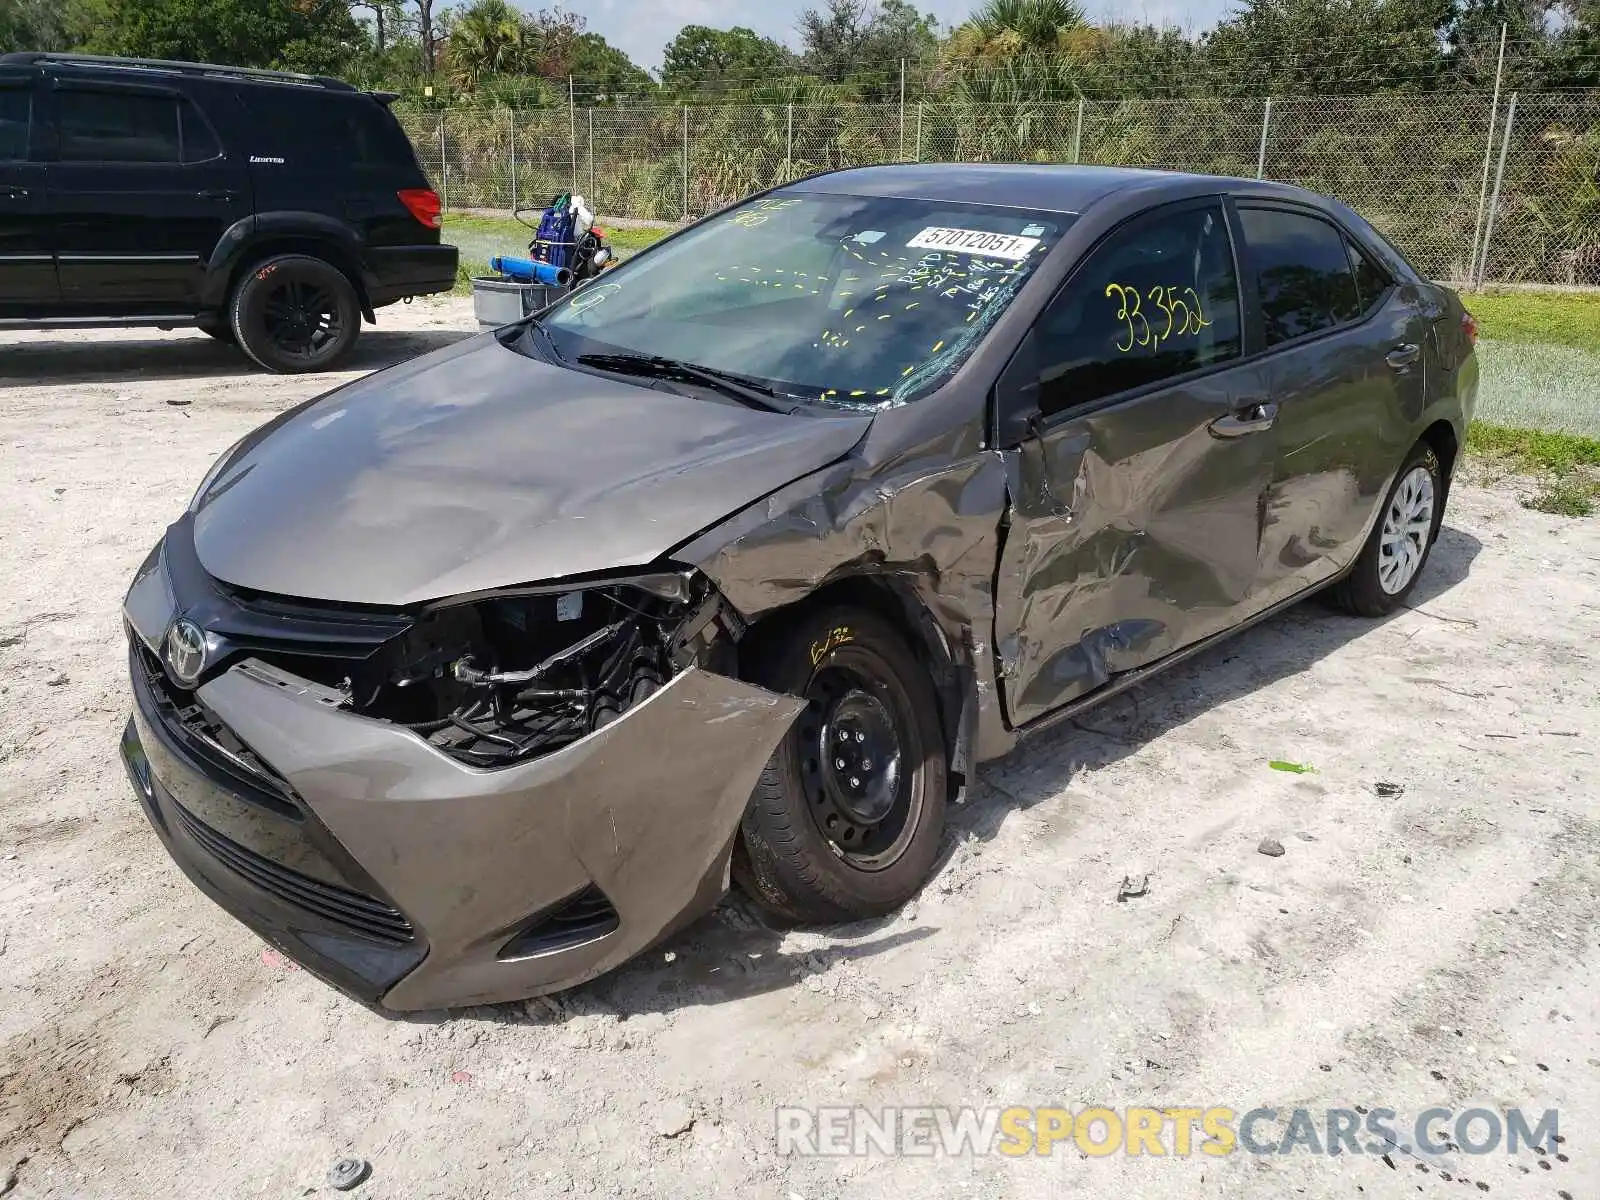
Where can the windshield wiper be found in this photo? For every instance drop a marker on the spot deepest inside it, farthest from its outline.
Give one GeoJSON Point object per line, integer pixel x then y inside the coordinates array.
{"type": "Point", "coordinates": [549, 339]}
{"type": "Point", "coordinates": [655, 366]}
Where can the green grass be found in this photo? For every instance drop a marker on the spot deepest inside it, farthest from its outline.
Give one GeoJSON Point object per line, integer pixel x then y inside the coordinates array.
{"type": "Point", "coordinates": [1538, 318]}
{"type": "Point", "coordinates": [508, 229]}
{"type": "Point", "coordinates": [481, 238]}
{"type": "Point", "coordinates": [1532, 451]}
{"type": "Point", "coordinates": [1567, 466]}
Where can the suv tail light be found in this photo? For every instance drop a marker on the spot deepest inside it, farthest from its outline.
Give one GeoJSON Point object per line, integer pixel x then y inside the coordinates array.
{"type": "Point", "coordinates": [1469, 326]}
{"type": "Point", "coordinates": [423, 204]}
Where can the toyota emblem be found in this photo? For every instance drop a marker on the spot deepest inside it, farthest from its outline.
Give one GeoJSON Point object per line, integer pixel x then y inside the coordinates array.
{"type": "Point", "coordinates": [186, 651]}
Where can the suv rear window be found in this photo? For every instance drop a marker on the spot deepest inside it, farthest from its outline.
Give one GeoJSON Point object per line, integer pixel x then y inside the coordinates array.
{"type": "Point", "coordinates": [119, 127]}
{"type": "Point", "coordinates": [132, 127]}
{"type": "Point", "coordinates": [15, 104]}
{"type": "Point", "coordinates": [309, 125]}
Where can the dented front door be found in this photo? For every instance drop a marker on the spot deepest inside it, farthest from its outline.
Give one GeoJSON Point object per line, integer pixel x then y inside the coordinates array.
{"type": "Point", "coordinates": [1134, 532]}
{"type": "Point", "coordinates": [1136, 500]}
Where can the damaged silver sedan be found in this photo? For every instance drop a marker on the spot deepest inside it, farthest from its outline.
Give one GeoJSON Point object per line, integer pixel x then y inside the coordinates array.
{"type": "Point", "coordinates": [472, 679]}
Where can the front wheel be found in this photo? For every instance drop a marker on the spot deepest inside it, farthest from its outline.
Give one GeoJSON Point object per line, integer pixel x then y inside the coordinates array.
{"type": "Point", "coordinates": [295, 313]}
{"type": "Point", "coordinates": [846, 819]}
{"type": "Point", "coordinates": [1392, 560]}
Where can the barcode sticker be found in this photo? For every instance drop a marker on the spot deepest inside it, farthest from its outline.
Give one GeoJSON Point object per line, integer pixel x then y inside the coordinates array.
{"type": "Point", "coordinates": [975, 241]}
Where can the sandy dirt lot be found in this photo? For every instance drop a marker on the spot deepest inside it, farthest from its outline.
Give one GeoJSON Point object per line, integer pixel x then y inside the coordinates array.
{"type": "Point", "coordinates": [1436, 947]}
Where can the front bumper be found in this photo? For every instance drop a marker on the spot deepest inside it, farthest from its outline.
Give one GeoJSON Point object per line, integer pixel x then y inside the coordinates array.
{"type": "Point", "coordinates": [412, 881]}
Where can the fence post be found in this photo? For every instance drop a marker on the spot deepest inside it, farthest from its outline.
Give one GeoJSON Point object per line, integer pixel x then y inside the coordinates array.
{"type": "Point", "coordinates": [1488, 154]}
{"type": "Point", "coordinates": [1266, 124]}
{"type": "Point", "coordinates": [920, 104]}
{"type": "Point", "coordinates": [902, 110]}
{"type": "Point", "coordinates": [572, 123]}
{"type": "Point", "coordinates": [513, 161]}
{"type": "Point", "coordinates": [1494, 204]}
{"type": "Point", "coordinates": [593, 205]}
{"type": "Point", "coordinates": [1077, 136]}
{"type": "Point", "coordinates": [788, 153]}
{"type": "Point", "coordinates": [685, 162]}
{"type": "Point", "coordinates": [444, 170]}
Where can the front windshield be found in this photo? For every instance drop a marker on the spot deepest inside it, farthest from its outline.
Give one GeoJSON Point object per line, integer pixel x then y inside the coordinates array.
{"type": "Point", "coordinates": [859, 301]}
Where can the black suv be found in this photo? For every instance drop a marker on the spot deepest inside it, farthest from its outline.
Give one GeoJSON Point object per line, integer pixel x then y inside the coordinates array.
{"type": "Point", "coordinates": [267, 208]}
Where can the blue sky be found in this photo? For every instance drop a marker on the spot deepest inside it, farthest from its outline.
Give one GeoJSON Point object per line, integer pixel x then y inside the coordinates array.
{"type": "Point", "coordinates": [643, 27]}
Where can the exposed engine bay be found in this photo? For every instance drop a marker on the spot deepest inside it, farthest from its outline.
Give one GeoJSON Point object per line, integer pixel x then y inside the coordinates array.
{"type": "Point", "coordinates": [508, 678]}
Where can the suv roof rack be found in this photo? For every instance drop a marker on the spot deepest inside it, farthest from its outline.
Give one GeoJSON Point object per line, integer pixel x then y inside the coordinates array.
{"type": "Point", "coordinates": [46, 58]}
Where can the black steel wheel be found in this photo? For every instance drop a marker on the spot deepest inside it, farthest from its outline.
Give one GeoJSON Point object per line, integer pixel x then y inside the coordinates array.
{"type": "Point", "coordinates": [846, 819]}
{"type": "Point", "coordinates": [295, 313]}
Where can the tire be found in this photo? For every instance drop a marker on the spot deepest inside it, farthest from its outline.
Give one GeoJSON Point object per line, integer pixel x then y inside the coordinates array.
{"type": "Point", "coordinates": [1379, 583]}
{"type": "Point", "coordinates": [219, 329]}
{"type": "Point", "coordinates": [823, 844]}
{"type": "Point", "coordinates": [295, 313]}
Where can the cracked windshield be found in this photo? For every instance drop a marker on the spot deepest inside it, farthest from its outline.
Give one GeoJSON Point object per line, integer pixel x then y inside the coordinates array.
{"type": "Point", "coordinates": [850, 300]}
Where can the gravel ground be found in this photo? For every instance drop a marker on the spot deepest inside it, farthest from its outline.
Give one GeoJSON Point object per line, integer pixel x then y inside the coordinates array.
{"type": "Point", "coordinates": [1433, 947]}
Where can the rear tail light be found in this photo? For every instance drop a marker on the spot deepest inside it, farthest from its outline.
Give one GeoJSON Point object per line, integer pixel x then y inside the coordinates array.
{"type": "Point", "coordinates": [423, 204]}
{"type": "Point", "coordinates": [1469, 326]}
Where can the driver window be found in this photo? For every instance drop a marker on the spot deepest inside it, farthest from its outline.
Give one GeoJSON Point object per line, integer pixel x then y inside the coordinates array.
{"type": "Point", "coordinates": [1156, 300]}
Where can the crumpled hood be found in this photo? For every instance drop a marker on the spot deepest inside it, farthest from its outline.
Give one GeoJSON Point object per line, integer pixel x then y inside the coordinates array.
{"type": "Point", "coordinates": [476, 467]}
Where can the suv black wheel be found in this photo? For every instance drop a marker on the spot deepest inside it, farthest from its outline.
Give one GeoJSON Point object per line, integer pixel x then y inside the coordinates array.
{"type": "Point", "coordinates": [295, 313]}
{"type": "Point", "coordinates": [1392, 560]}
{"type": "Point", "coordinates": [846, 819]}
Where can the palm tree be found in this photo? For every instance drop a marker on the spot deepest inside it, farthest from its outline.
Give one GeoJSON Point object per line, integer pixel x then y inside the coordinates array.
{"type": "Point", "coordinates": [1006, 28]}
{"type": "Point", "coordinates": [488, 38]}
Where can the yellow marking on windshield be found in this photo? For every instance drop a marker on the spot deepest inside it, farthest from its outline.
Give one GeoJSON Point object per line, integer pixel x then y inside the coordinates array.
{"type": "Point", "coordinates": [938, 346]}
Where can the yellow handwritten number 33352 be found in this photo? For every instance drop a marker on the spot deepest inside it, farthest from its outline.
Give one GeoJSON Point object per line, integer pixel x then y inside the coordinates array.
{"type": "Point", "coordinates": [1140, 331]}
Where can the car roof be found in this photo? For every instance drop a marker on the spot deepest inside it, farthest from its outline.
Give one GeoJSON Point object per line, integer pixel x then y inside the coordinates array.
{"type": "Point", "coordinates": [161, 66]}
{"type": "Point", "coordinates": [1044, 187]}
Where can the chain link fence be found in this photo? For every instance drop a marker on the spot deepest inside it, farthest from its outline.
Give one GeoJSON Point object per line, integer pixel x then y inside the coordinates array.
{"type": "Point", "coordinates": [1471, 188]}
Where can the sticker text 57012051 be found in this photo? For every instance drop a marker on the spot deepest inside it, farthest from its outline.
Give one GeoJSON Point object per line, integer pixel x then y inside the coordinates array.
{"type": "Point", "coordinates": [975, 241]}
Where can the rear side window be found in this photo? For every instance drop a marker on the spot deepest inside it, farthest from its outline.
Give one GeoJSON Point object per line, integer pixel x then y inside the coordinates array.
{"type": "Point", "coordinates": [1156, 300]}
{"type": "Point", "coordinates": [15, 106]}
{"type": "Point", "coordinates": [122, 127]}
{"type": "Point", "coordinates": [319, 128]}
{"type": "Point", "coordinates": [1371, 281]}
{"type": "Point", "coordinates": [133, 127]}
{"type": "Point", "coordinates": [199, 142]}
{"type": "Point", "coordinates": [1303, 272]}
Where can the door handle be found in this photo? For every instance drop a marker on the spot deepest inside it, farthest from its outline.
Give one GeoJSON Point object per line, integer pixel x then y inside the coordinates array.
{"type": "Point", "coordinates": [219, 194]}
{"type": "Point", "coordinates": [1251, 418]}
{"type": "Point", "coordinates": [1403, 355]}
{"type": "Point", "coordinates": [15, 193]}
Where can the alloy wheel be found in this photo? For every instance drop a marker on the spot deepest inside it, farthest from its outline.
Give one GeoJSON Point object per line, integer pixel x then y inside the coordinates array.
{"type": "Point", "coordinates": [302, 319]}
{"type": "Point", "coordinates": [1407, 526]}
